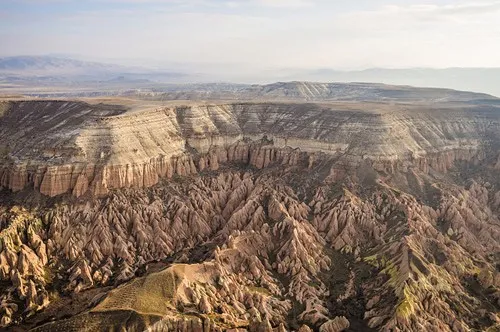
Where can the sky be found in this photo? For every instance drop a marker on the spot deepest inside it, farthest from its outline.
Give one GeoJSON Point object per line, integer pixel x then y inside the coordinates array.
{"type": "Point", "coordinates": [264, 34]}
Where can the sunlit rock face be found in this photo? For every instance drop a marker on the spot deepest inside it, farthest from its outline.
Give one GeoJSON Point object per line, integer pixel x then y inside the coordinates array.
{"type": "Point", "coordinates": [60, 147]}
{"type": "Point", "coordinates": [255, 216]}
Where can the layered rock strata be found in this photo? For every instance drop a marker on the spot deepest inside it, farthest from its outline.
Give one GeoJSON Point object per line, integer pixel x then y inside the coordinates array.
{"type": "Point", "coordinates": [250, 217]}
{"type": "Point", "coordinates": [73, 147]}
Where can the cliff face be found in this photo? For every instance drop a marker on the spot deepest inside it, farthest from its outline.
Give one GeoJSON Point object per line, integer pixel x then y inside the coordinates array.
{"type": "Point", "coordinates": [252, 216]}
{"type": "Point", "coordinates": [71, 147]}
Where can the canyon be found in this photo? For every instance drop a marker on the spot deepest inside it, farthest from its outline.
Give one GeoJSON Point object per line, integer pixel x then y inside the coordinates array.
{"type": "Point", "coordinates": [293, 207]}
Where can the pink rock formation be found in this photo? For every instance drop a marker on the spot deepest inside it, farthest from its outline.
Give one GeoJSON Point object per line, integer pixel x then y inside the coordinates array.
{"type": "Point", "coordinates": [240, 217]}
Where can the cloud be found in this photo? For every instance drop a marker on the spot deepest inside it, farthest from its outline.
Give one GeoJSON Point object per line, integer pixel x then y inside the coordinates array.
{"type": "Point", "coordinates": [219, 3]}
{"type": "Point", "coordinates": [284, 3]}
{"type": "Point", "coordinates": [267, 33]}
{"type": "Point", "coordinates": [425, 16]}
{"type": "Point", "coordinates": [436, 11]}
{"type": "Point", "coordinates": [208, 3]}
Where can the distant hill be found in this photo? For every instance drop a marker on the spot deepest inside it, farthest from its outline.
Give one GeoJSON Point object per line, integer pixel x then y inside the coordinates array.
{"type": "Point", "coordinates": [316, 92]}
{"type": "Point", "coordinates": [34, 72]}
{"type": "Point", "coordinates": [485, 80]}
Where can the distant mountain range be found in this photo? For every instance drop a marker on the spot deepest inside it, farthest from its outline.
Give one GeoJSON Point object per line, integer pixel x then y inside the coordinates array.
{"type": "Point", "coordinates": [43, 70]}
{"type": "Point", "coordinates": [46, 65]}
{"type": "Point", "coordinates": [35, 72]}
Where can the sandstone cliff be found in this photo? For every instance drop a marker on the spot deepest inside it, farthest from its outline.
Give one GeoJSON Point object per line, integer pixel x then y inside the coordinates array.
{"type": "Point", "coordinates": [250, 217]}
{"type": "Point", "coordinates": [71, 147]}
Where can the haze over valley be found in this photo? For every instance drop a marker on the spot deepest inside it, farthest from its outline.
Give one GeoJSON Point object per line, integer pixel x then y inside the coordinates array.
{"type": "Point", "coordinates": [47, 75]}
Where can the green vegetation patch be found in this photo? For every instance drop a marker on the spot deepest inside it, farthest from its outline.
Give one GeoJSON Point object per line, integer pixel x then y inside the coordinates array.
{"type": "Point", "coordinates": [152, 294]}
{"type": "Point", "coordinates": [260, 290]}
{"type": "Point", "coordinates": [4, 107]}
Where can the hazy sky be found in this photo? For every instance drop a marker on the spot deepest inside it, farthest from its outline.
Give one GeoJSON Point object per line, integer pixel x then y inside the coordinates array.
{"type": "Point", "coordinates": [344, 34]}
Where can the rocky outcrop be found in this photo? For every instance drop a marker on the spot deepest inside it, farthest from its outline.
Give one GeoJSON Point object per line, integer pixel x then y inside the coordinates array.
{"type": "Point", "coordinates": [78, 148]}
{"type": "Point", "coordinates": [250, 217]}
{"type": "Point", "coordinates": [23, 262]}
{"type": "Point", "coordinates": [252, 252]}
{"type": "Point", "coordinates": [338, 324]}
